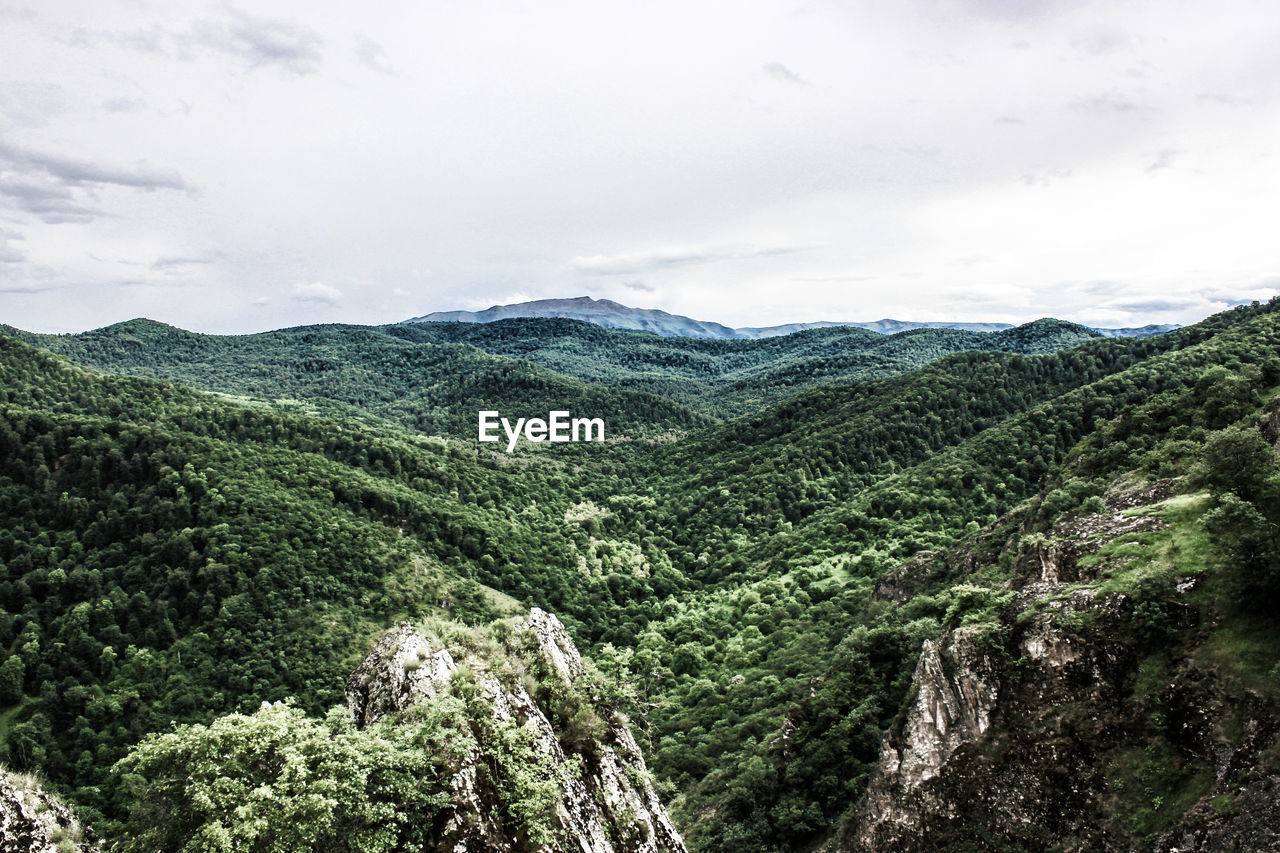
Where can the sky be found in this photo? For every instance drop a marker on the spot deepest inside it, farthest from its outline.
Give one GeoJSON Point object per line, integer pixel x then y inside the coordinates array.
{"type": "Point", "coordinates": [235, 167]}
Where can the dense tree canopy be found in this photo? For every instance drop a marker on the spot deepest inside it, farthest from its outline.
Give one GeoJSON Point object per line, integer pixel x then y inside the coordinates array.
{"type": "Point", "coordinates": [173, 555]}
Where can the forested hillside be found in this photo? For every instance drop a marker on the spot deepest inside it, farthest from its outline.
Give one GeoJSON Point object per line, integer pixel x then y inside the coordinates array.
{"type": "Point", "coordinates": [432, 377]}
{"type": "Point", "coordinates": [756, 587]}
{"type": "Point", "coordinates": [360, 372]}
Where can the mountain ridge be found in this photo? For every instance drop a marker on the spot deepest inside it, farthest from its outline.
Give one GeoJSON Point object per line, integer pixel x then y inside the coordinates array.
{"type": "Point", "coordinates": [615, 315]}
{"type": "Point", "coordinates": [755, 595]}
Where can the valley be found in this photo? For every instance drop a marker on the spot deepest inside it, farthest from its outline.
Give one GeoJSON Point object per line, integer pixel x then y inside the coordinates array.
{"type": "Point", "coordinates": [785, 557]}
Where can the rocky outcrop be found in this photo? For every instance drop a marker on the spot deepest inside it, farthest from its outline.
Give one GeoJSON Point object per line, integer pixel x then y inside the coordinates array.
{"type": "Point", "coordinates": [607, 802]}
{"type": "Point", "coordinates": [33, 821]}
{"type": "Point", "coordinates": [956, 689]}
{"type": "Point", "coordinates": [985, 744]}
{"type": "Point", "coordinates": [1054, 559]}
{"type": "Point", "coordinates": [1080, 719]}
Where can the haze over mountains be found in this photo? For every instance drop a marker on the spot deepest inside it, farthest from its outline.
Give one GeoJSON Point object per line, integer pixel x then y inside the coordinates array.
{"type": "Point", "coordinates": [614, 315]}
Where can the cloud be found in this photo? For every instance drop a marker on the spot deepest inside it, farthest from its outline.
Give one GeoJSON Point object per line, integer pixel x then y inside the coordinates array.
{"type": "Point", "coordinates": [29, 104]}
{"type": "Point", "coordinates": [54, 187]}
{"type": "Point", "coordinates": [150, 40]}
{"type": "Point", "coordinates": [1220, 98]}
{"type": "Point", "coordinates": [1096, 287]}
{"type": "Point", "coordinates": [781, 73]}
{"type": "Point", "coordinates": [1152, 306]}
{"type": "Point", "coordinates": [1163, 160]}
{"type": "Point", "coordinates": [920, 151]}
{"type": "Point", "coordinates": [1258, 291]}
{"type": "Point", "coordinates": [1109, 103]}
{"type": "Point", "coordinates": [317, 292]}
{"type": "Point", "coordinates": [79, 173]}
{"type": "Point", "coordinates": [53, 204]}
{"type": "Point", "coordinates": [28, 279]}
{"type": "Point", "coordinates": [262, 41]}
{"type": "Point", "coordinates": [1010, 11]}
{"type": "Point", "coordinates": [1103, 42]}
{"type": "Point", "coordinates": [9, 254]}
{"type": "Point", "coordinates": [122, 104]}
{"type": "Point", "coordinates": [177, 265]}
{"type": "Point", "coordinates": [640, 286]}
{"type": "Point", "coordinates": [635, 263]}
{"type": "Point", "coordinates": [400, 291]}
{"type": "Point", "coordinates": [371, 54]}
{"type": "Point", "coordinates": [1044, 179]}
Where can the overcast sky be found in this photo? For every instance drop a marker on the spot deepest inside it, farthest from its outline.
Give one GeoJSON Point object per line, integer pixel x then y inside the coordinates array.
{"type": "Point", "coordinates": [241, 167]}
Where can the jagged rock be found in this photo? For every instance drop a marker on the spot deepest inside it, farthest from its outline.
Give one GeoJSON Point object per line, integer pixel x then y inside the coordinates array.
{"type": "Point", "coordinates": [608, 804]}
{"type": "Point", "coordinates": [982, 745]}
{"type": "Point", "coordinates": [1030, 735]}
{"type": "Point", "coordinates": [952, 706]}
{"type": "Point", "coordinates": [33, 821]}
{"type": "Point", "coordinates": [1140, 494]}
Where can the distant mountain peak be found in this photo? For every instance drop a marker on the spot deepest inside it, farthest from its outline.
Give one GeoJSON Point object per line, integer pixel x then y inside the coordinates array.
{"type": "Point", "coordinates": [602, 312]}
{"type": "Point", "coordinates": [614, 315]}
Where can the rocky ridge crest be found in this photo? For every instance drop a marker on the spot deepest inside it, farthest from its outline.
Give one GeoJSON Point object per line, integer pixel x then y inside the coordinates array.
{"type": "Point", "coordinates": [608, 802]}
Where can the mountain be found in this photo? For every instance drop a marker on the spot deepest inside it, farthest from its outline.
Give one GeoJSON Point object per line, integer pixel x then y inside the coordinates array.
{"type": "Point", "coordinates": [32, 819]}
{"type": "Point", "coordinates": [602, 312]}
{"type": "Point", "coordinates": [613, 315]}
{"type": "Point", "coordinates": [941, 596]}
{"type": "Point", "coordinates": [1139, 332]}
{"type": "Point", "coordinates": [357, 371]}
{"type": "Point", "coordinates": [883, 327]}
{"type": "Point", "coordinates": [732, 377]}
{"type": "Point", "coordinates": [434, 377]}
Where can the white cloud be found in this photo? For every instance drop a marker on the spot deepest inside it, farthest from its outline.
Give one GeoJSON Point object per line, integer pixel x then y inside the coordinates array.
{"type": "Point", "coordinates": [737, 163]}
{"type": "Point", "coordinates": [783, 74]}
{"type": "Point", "coordinates": [649, 260]}
{"type": "Point", "coordinates": [317, 292]}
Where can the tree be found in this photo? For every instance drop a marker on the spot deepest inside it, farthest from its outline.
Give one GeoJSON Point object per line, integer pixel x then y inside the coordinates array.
{"type": "Point", "coordinates": [1238, 460]}
{"type": "Point", "coordinates": [12, 673]}
{"type": "Point", "coordinates": [277, 780]}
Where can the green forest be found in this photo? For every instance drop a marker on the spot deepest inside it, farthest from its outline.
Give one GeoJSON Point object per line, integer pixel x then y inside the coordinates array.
{"type": "Point", "coordinates": [195, 525]}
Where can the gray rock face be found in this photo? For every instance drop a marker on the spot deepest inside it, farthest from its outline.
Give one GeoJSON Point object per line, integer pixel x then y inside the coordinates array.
{"type": "Point", "coordinates": [608, 804]}
{"type": "Point", "coordinates": [33, 821]}
{"type": "Point", "coordinates": [1046, 729]}
{"type": "Point", "coordinates": [952, 706]}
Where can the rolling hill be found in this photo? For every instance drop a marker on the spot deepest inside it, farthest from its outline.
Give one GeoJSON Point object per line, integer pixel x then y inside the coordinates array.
{"type": "Point", "coordinates": [767, 594]}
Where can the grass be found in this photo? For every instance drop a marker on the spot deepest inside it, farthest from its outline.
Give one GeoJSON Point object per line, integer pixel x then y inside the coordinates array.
{"type": "Point", "coordinates": [7, 717]}
{"type": "Point", "coordinates": [1244, 650]}
{"type": "Point", "coordinates": [1183, 548]}
{"type": "Point", "coordinates": [1153, 787]}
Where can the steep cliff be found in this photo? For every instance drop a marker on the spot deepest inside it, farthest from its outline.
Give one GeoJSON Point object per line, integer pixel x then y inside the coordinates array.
{"type": "Point", "coordinates": [1104, 707]}
{"type": "Point", "coordinates": [605, 800]}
